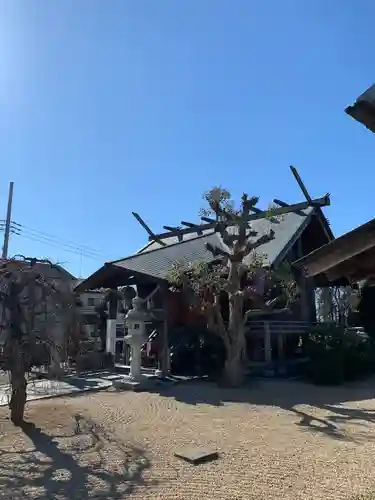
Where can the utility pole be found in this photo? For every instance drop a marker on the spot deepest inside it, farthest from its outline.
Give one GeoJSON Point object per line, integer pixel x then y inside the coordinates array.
{"type": "Point", "coordinates": [7, 222]}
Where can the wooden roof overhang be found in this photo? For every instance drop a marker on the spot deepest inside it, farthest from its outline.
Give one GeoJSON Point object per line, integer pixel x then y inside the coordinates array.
{"type": "Point", "coordinates": [112, 276]}
{"type": "Point", "coordinates": [350, 257]}
{"type": "Point", "coordinates": [363, 112]}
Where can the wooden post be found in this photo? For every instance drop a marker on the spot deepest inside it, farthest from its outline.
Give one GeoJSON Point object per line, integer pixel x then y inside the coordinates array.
{"type": "Point", "coordinates": [165, 355]}
{"type": "Point", "coordinates": [267, 343]}
{"type": "Point", "coordinates": [8, 222]}
{"type": "Point", "coordinates": [302, 284]}
{"type": "Point", "coordinates": [112, 304]}
{"type": "Point", "coordinates": [111, 323]}
{"type": "Point", "coordinates": [280, 352]}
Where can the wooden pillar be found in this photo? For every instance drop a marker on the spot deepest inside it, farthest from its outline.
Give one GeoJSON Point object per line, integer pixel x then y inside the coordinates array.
{"type": "Point", "coordinates": [111, 322]}
{"type": "Point", "coordinates": [281, 352]}
{"type": "Point", "coordinates": [302, 285]}
{"type": "Point", "coordinates": [267, 343]}
{"type": "Point", "coordinates": [165, 354]}
{"type": "Point", "coordinates": [280, 347]}
{"type": "Point", "coordinates": [312, 299]}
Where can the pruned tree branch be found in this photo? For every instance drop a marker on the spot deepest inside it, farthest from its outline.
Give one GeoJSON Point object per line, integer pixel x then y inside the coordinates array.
{"type": "Point", "coordinates": [253, 245]}
{"type": "Point", "coordinates": [216, 251]}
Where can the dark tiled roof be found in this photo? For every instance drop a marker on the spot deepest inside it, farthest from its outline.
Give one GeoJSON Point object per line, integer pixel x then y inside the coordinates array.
{"type": "Point", "coordinates": [53, 272]}
{"type": "Point", "coordinates": [156, 260]}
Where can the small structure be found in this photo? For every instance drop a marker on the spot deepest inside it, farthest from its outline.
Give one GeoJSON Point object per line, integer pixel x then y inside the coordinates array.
{"type": "Point", "coordinates": [363, 110]}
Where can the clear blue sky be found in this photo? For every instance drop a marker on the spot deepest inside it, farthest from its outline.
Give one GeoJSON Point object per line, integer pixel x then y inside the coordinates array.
{"type": "Point", "coordinates": [114, 106]}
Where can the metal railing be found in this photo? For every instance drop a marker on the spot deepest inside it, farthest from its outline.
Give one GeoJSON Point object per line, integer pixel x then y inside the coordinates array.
{"type": "Point", "coordinates": [278, 327]}
{"type": "Point", "coordinates": [275, 341]}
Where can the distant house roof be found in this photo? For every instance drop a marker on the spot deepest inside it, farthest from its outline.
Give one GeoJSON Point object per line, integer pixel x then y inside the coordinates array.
{"type": "Point", "coordinates": [154, 260]}
{"type": "Point", "coordinates": [54, 271]}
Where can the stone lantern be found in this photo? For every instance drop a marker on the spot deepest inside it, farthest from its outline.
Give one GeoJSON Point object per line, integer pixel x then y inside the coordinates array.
{"type": "Point", "coordinates": [136, 320]}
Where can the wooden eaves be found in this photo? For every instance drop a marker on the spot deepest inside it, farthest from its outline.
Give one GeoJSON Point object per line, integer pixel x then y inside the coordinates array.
{"type": "Point", "coordinates": [363, 110]}
{"type": "Point", "coordinates": [351, 256]}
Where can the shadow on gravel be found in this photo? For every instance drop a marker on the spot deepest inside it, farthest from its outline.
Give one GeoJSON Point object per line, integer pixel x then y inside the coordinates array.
{"type": "Point", "coordinates": [292, 396]}
{"type": "Point", "coordinates": [88, 463]}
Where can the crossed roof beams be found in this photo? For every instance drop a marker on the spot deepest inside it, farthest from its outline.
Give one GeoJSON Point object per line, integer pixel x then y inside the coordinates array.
{"type": "Point", "coordinates": [256, 214]}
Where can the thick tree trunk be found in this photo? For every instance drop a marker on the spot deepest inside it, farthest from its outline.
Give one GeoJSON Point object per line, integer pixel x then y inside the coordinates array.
{"type": "Point", "coordinates": [234, 368]}
{"type": "Point", "coordinates": [103, 339]}
{"type": "Point", "coordinates": [18, 382]}
{"type": "Point", "coordinates": [55, 371]}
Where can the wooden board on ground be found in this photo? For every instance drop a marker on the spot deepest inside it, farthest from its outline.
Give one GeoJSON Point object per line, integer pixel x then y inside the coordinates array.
{"type": "Point", "coordinates": [197, 455]}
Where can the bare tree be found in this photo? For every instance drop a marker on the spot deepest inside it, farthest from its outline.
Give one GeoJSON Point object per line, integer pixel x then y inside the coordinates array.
{"type": "Point", "coordinates": [31, 305]}
{"type": "Point", "coordinates": [237, 280]}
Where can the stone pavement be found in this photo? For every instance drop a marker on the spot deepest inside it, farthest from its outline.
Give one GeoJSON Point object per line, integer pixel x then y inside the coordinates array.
{"type": "Point", "coordinates": [45, 388]}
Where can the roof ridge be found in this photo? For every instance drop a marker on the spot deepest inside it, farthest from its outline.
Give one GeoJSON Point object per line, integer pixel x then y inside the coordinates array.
{"type": "Point", "coordinates": [138, 254]}
{"type": "Point", "coordinates": [147, 252]}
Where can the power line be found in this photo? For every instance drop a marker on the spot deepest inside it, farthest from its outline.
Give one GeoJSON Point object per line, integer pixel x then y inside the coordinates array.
{"type": "Point", "coordinates": [60, 244]}
{"type": "Point", "coordinates": [53, 241]}
{"type": "Point", "coordinates": [65, 242]}
{"type": "Point", "coordinates": [57, 245]}
{"type": "Point", "coordinates": [34, 233]}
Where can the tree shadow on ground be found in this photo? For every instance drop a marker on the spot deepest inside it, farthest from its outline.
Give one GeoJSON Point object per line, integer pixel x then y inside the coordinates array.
{"type": "Point", "coordinates": [292, 396]}
{"type": "Point", "coordinates": [89, 463]}
{"type": "Point", "coordinates": [84, 383]}
{"type": "Point", "coordinates": [54, 387]}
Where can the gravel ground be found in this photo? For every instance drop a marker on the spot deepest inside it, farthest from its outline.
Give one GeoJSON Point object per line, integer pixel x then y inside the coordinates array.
{"type": "Point", "coordinates": [277, 440]}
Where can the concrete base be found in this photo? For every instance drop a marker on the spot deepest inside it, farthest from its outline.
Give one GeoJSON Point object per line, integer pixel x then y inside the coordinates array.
{"type": "Point", "coordinates": [128, 384]}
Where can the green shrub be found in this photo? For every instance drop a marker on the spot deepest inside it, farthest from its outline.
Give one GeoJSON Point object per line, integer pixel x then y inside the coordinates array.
{"type": "Point", "coordinates": [337, 354]}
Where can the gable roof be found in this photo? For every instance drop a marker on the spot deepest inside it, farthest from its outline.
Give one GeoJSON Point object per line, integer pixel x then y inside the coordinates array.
{"type": "Point", "coordinates": [155, 260]}
{"type": "Point", "coordinates": [287, 226]}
